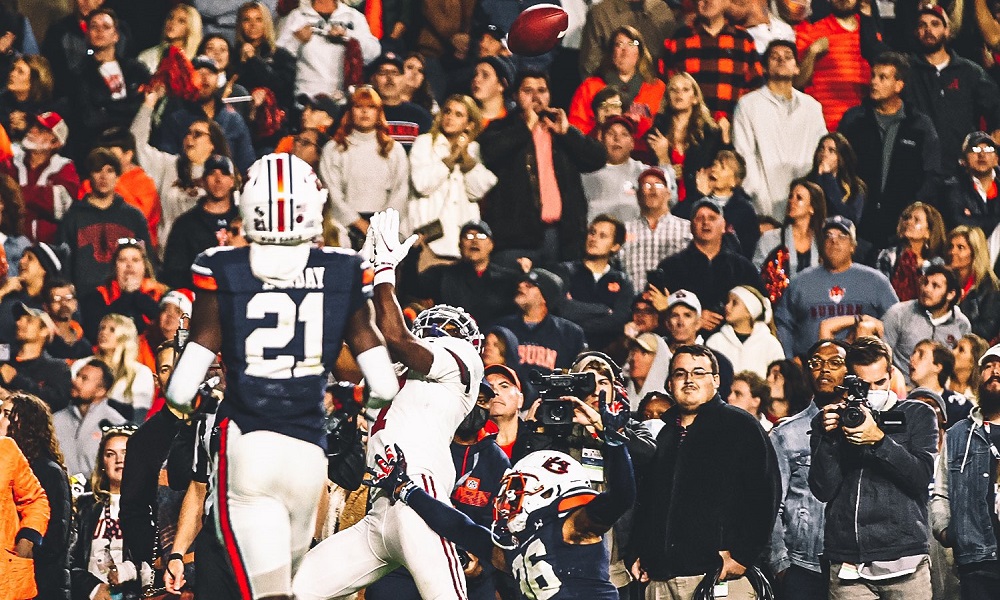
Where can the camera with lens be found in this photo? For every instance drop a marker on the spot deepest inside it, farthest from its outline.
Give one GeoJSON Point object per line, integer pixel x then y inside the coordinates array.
{"type": "Point", "coordinates": [551, 388]}
{"type": "Point", "coordinates": [852, 413]}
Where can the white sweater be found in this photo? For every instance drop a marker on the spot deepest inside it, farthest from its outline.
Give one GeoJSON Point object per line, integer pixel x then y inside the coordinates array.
{"type": "Point", "coordinates": [359, 180]}
{"type": "Point", "coordinates": [755, 354]}
{"type": "Point", "coordinates": [448, 195]}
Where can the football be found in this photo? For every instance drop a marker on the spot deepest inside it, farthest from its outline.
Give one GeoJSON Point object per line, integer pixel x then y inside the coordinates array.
{"type": "Point", "coordinates": [537, 30]}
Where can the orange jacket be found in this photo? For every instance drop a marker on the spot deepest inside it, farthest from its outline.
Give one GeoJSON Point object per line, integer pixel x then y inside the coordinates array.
{"type": "Point", "coordinates": [24, 509]}
{"type": "Point", "coordinates": [139, 190]}
{"type": "Point", "coordinates": [644, 107]}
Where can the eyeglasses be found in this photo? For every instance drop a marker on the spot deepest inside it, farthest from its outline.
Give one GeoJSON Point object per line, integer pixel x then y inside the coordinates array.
{"type": "Point", "coordinates": [611, 104]}
{"type": "Point", "coordinates": [63, 298]}
{"type": "Point", "coordinates": [982, 150]}
{"type": "Point", "coordinates": [476, 236]}
{"type": "Point", "coordinates": [197, 133]}
{"type": "Point", "coordinates": [628, 44]}
{"type": "Point", "coordinates": [816, 363]}
{"type": "Point", "coordinates": [682, 375]}
{"type": "Point", "coordinates": [304, 141]}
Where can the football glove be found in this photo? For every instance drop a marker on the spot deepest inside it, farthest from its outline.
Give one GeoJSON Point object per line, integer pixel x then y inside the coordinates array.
{"type": "Point", "coordinates": [614, 416]}
{"type": "Point", "coordinates": [389, 475]}
{"type": "Point", "coordinates": [388, 251]}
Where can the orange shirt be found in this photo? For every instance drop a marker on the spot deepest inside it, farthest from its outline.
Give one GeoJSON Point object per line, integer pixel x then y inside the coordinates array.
{"type": "Point", "coordinates": [841, 77]}
{"type": "Point", "coordinates": [643, 108]}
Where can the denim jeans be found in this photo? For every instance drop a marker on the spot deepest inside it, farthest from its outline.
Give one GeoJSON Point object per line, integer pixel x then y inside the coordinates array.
{"type": "Point", "coordinates": [915, 586]}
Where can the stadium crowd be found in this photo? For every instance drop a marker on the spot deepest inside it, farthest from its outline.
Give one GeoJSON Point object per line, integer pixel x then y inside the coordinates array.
{"type": "Point", "coordinates": [809, 190]}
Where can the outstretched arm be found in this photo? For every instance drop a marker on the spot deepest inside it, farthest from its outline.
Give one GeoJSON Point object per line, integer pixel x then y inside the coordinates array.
{"type": "Point", "coordinates": [199, 353]}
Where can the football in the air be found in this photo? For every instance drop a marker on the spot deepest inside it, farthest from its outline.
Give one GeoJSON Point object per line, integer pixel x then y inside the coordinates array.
{"type": "Point", "coordinates": [537, 30]}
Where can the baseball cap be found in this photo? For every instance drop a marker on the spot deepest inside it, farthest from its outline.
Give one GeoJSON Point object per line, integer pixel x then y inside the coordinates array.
{"type": "Point", "coordinates": [386, 58]}
{"type": "Point", "coordinates": [55, 123]}
{"type": "Point", "coordinates": [686, 298]}
{"type": "Point", "coordinates": [841, 223]}
{"type": "Point", "coordinates": [706, 202]}
{"type": "Point", "coordinates": [625, 122]}
{"type": "Point", "coordinates": [504, 371]}
{"type": "Point", "coordinates": [992, 353]}
{"type": "Point", "coordinates": [476, 225]}
{"type": "Point", "coordinates": [220, 163]}
{"type": "Point", "coordinates": [203, 62]}
{"type": "Point", "coordinates": [485, 389]}
{"type": "Point", "coordinates": [494, 31]}
{"type": "Point", "coordinates": [319, 102]}
{"type": "Point", "coordinates": [975, 139]}
{"type": "Point", "coordinates": [654, 172]}
{"type": "Point", "coordinates": [21, 309]}
{"type": "Point", "coordinates": [647, 341]}
{"type": "Point", "coordinates": [924, 392]}
{"type": "Point", "coordinates": [936, 10]}
{"type": "Point", "coordinates": [181, 298]}
{"type": "Point", "coordinates": [548, 283]}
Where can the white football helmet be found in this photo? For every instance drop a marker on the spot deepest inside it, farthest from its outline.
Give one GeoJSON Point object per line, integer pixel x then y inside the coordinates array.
{"type": "Point", "coordinates": [536, 481]}
{"type": "Point", "coordinates": [441, 319]}
{"type": "Point", "coordinates": [282, 201]}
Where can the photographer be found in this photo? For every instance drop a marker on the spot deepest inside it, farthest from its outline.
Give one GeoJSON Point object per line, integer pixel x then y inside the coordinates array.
{"type": "Point", "coordinates": [874, 477]}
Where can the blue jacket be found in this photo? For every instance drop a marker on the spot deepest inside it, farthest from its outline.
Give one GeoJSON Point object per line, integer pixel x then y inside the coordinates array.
{"type": "Point", "coordinates": [963, 485]}
{"type": "Point", "coordinates": [797, 538]}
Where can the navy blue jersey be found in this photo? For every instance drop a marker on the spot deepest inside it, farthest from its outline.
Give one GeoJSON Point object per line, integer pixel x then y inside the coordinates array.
{"type": "Point", "coordinates": [279, 344]}
{"type": "Point", "coordinates": [546, 567]}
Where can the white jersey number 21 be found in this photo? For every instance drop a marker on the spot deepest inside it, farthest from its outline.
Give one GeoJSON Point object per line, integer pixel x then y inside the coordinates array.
{"type": "Point", "coordinates": [284, 366]}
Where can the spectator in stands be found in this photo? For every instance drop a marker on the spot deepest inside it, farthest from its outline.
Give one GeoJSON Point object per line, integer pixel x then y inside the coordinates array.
{"type": "Point", "coordinates": [898, 152]}
{"type": "Point", "coordinates": [259, 62]}
{"type": "Point", "coordinates": [199, 228]}
{"type": "Point", "coordinates": [491, 80]}
{"type": "Point", "coordinates": [789, 389]}
{"type": "Point", "coordinates": [32, 370]}
{"type": "Point", "coordinates": [706, 267]}
{"type": "Point", "coordinates": [541, 213]}
{"type": "Point", "coordinates": [645, 318]}
{"type": "Point", "coordinates": [648, 365]}
{"type": "Point", "coordinates": [319, 34]}
{"type": "Point", "coordinates": [776, 128]}
{"type": "Point", "coordinates": [612, 189]}
{"type": "Point", "coordinates": [952, 90]}
{"type": "Point", "coordinates": [406, 120]}
{"type": "Point", "coordinates": [49, 182]}
{"type": "Point", "coordinates": [967, 364]}
{"type": "Point", "coordinates": [39, 265]}
{"type": "Point", "coordinates": [175, 305]}
{"type": "Point", "coordinates": [835, 171]}
{"type": "Point", "coordinates": [505, 407]}
{"type": "Point", "coordinates": [545, 341]}
{"type": "Point", "coordinates": [722, 183]}
{"type": "Point", "coordinates": [747, 337]}
{"type": "Point", "coordinates": [219, 50]}
{"type": "Point", "coordinates": [628, 67]}
{"type": "Point", "coordinates": [78, 426]}
{"type": "Point", "coordinates": [684, 134]}
{"type": "Point", "coordinates": [29, 424]}
{"type": "Point", "coordinates": [106, 93]}
{"type": "Point", "coordinates": [447, 177]}
{"type": "Point", "coordinates": [12, 224]}
{"type": "Point", "coordinates": [444, 38]}
{"type": "Point", "coordinates": [61, 304]}
{"type": "Point", "coordinates": [839, 287]}
{"type": "Point", "coordinates": [832, 68]}
{"type": "Point", "coordinates": [720, 56]}
{"type": "Point", "coordinates": [933, 314]}
{"type": "Point", "coordinates": [26, 515]}
{"type": "Point", "coordinates": [134, 186]}
{"type": "Point", "coordinates": [132, 290]}
{"type": "Point", "coordinates": [208, 107]}
{"type": "Point", "coordinates": [796, 547]}
{"type": "Point", "coordinates": [875, 480]}
{"type": "Point", "coordinates": [94, 227]}
{"type": "Point", "coordinates": [182, 30]}
{"type": "Point", "coordinates": [682, 315]}
{"type": "Point", "coordinates": [921, 239]}
{"type": "Point", "coordinates": [416, 86]}
{"type": "Point", "coordinates": [117, 346]}
{"type": "Point", "coordinates": [319, 114]}
{"type": "Point", "coordinates": [28, 93]}
{"type": "Point", "coordinates": [931, 366]}
{"type": "Point", "coordinates": [968, 256]}
{"type": "Point", "coordinates": [363, 167]}
{"type": "Point", "coordinates": [971, 194]}
{"type": "Point", "coordinates": [66, 44]}
{"type": "Point", "coordinates": [599, 296]}
{"type": "Point", "coordinates": [760, 22]}
{"type": "Point", "coordinates": [657, 233]}
{"type": "Point", "coordinates": [177, 176]}
{"type": "Point", "coordinates": [603, 20]}
{"type": "Point", "coordinates": [782, 254]}
{"type": "Point", "coordinates": [308, 145]}
{"type": "Point", "coordinates": [749, 392]}
{"type": "Point", "coordinates": [99, 556]}
{"type": "Point", "coordinates": [693, 483]}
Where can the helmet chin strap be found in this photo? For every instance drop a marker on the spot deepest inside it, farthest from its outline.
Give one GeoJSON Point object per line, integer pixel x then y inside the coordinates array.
{"type": "Point", "coordinates": [278, 265]}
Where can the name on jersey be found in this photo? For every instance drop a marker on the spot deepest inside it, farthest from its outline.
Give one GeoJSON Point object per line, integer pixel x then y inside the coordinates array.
{"type": "Point", "coordinates": [310, 279]}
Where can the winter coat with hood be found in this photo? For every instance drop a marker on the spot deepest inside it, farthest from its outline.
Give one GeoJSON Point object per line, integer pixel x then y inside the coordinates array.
{"type": "Point", "coordinates": [755, 354]}
{"type": "Point", "coordinates": [24, 513]}
{"type": "Point", "coordinates": [52, 557]}
{"type": "Point", "coordinates": [656, 379]}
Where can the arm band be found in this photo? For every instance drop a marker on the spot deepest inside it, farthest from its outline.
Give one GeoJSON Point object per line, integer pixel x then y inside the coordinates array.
{"type": "Point", "coordinates": [380, 376]}
{"type": "Point", "coordinates": [188, 375]}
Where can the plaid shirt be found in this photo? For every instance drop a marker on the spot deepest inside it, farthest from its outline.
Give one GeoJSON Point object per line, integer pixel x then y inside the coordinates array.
{"type": "Point", "coordinates": [644, 247]}
{"type": "Point", "coordinates": [726, 65]}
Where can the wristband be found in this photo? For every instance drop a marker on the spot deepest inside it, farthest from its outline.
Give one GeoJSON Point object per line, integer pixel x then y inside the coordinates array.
{"type": "Point", "coordinates": [385, 273]}
{"type": "Point", "coordinates": [407, 488]}
{"type": "Point", "coordinates": [175, 556]}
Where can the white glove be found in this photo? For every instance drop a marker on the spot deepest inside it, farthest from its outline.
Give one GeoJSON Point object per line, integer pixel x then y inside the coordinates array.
{"type": "Point", "coordinates": [388, 250]}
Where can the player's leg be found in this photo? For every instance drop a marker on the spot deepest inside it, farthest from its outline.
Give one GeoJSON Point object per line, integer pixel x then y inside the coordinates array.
{"type": "Point", "coordinates": [431, 559]}
{"type": "Point", "coordinates": [257, 474]}
{"type": "Point", "coordinates": [344, 562]}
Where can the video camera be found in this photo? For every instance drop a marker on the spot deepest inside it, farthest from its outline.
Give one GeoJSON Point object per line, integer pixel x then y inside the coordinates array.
{"type": "Point", "coordinates": [853, 415]}
{"type": "Point", "coordinates": [551, 388]}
